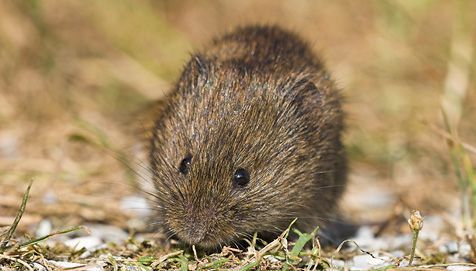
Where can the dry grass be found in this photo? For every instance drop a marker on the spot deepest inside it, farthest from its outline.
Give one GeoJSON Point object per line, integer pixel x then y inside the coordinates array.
{"type": "Point", "coordinates": [74, 74]}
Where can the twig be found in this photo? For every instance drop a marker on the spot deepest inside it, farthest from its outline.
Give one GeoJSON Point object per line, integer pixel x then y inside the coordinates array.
{"type": "Point", "coordinates": [355, 243]}
{"type": "Point", "coordinates": [276, 243]}
{"type": "Point", "coordinates": [17, 260]}
{"type": "Point", "coordinates": [14, 225]}
{"type": "Point", "coordinates": [452, 138]}
{"type": "Point", "coordinates": [165, 257]}
{"type": "Point", "coordinates": [195, 253]}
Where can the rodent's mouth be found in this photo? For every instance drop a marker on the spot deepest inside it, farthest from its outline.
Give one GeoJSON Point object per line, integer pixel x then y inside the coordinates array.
{"type": "Point", "coordinates": [204, 227]}
{"type": "Point", "coordinates": [202, 236]}
{"type": "Point", "coordinates": [205, 241]}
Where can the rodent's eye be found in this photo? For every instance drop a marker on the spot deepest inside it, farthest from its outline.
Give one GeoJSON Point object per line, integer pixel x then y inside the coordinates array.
{"type": "Point", "coordinates": [241, 178]}
{"type": "Point", "coordinates": [185, 165]}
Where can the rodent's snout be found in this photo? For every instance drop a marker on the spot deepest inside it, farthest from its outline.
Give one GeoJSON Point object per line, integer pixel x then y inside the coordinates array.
{"type": "Point", "coordinates": [195, 233]}
{"type": "Point", "coordinates": [198, 226]}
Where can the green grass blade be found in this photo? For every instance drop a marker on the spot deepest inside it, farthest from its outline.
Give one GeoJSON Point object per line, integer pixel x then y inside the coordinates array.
{"type": "Point", "coordinates": [249, 266]}
{"type": "Point", "coordinates": [183, 263]}
{"type": "Point", "coordinates": [34, 241]}
{"type": "Point", "coordinates": [304, 238]}
{"type": "Point", "coordinates": [215, 264]}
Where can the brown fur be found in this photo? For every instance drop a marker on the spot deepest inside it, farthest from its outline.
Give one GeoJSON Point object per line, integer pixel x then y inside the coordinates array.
{"type": "Point", "coordinates": [256, 98]}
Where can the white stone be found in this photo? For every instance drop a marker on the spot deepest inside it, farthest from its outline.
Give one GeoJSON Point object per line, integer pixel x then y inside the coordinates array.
{"type": "Point", "coordinates": [50, 197]}
{"type": "Point", "coordinates": [44, 228]}
{"type": "Point", "coordinates": [366, 262]}
{"type": "Point", "coordinates": [136, 205]}
{"type": "Point", "coordinates": [397, 253]}
{"type": "Point", "coordinates": [464, 249]}
{"type": "Point", "coordinates": [93, 268]}
{"type": "Point", "coordinates": [337, 264]}
{"type": "Point", "coordinates": [66, 265]}
{"type": "Point", "coordinates": [399, 241]}
{"type": "Point", "coordinates": [366, 240]}
{"type": "Point", "coordinates": [39, 267]}
{"type": "Point", "coordinates": [404, 263]}
{"type": "Point", "coordinates": [107, 233]}
{"type": "Point", "coordinates": [271, 258]}
{"type": "Point", "coordinates": [9, 146]}
{"type": "Point", "coordinates": [451, 247]}
{"type": "Point", "coordinates": [87, 242]}
{"type": "Point", "coordinates": [432, 228]}
{"type": "Point", "coordinates": [460, 267]}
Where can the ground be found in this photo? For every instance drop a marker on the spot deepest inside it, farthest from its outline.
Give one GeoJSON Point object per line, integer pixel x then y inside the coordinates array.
{"type": "Point", "coordinates": [75, 75]}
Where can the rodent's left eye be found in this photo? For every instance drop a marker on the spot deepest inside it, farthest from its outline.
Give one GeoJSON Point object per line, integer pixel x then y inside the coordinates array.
{"type": "Point", "coordinates": [241, 178]}
{"type": "Point", "coordinates": [185, 165]}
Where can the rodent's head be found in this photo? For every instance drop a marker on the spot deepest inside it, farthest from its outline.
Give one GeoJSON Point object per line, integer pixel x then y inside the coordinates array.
{"type": "Point", "coordinates": [228, 154]}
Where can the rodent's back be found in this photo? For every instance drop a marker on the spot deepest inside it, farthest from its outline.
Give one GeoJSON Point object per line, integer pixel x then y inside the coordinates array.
{"type": "Point", "coordinates": [264, 47]}
{"type": "Point", "coordinates": [249, 138]}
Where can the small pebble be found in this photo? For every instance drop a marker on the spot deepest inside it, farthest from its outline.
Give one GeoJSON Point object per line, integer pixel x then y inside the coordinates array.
{"type": "Point", "coordinates": [44, 228]}
{"type": "Point", "coordinates": [433, 226]}
{"type": "Point", "coordinates": [138, 224]}
{"type": "Point", "coordinates": [404, 263]}
{"type": "Point", "coordinates": [93, 268]}
{"type": "Point", "coordinates": [464, 249]}
{"type": "Point", "coordinates": [107, 233]}
{"type": "Point", "coordinates": [87, 242]}
{"type": "Point", "coordinates": [398, 241]}
{"type": "Point", "coordinates": [366, 262]}
{"type": "Point", "coordinates": [366, 240]}
{"type": "Point", "coordinates": [397, 253]}
{"type": "Point", "coordinates": [137, 205]}
{"type": "Point", "coordinates": [272, 259]}
{"type": "Point", "coordinates": [50, 197]}
{"type": "Point", "coordinates": [39, 267]}
{"type": "Point", "coordinates": [337, 264]}
{"type": "Point", "coordinates": [460, 267]}
{"type": "Point", "coordinates": [450, 247]}
{"type": "Point", "coordinates": [66, 265]}
{"type": "Point", "coordinates": [9, 147]}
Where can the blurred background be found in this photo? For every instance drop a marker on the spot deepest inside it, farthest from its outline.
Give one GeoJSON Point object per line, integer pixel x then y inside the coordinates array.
{"type": "Point", "coordinates": [74, 74]}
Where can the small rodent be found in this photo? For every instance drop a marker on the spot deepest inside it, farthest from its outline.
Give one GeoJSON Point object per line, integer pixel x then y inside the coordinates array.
{"type": "Point", "coordinates": [248, 139]}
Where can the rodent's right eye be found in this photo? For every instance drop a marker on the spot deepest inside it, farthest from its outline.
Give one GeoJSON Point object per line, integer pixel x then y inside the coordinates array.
{"type": "Point", "coordinates": [185, 165]}
{"type": "Point", "coordinates": [241, 178]}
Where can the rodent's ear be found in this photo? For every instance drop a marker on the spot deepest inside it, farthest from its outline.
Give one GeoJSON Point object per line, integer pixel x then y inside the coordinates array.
{"type": "Point", "coordinates": [195, 73]}
{"type": "Point", "coordinates": [304, 92]}
{"type": "Point", "coordinates": [145, 119]}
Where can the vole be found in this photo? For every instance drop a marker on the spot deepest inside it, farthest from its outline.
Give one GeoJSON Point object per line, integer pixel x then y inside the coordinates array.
{"type": "Point", "coordinates": [248, 139]}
